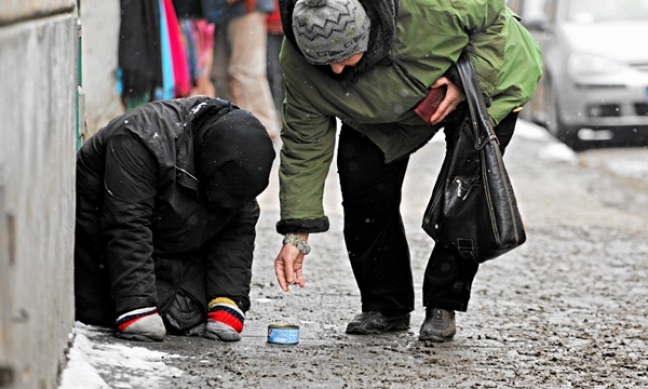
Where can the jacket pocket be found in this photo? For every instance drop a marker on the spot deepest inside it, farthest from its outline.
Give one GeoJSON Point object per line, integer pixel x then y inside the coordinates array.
{"type": "Point", "coordinates": [412, 81]}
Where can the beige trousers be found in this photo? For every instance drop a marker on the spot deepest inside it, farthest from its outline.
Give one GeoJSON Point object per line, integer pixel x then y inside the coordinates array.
{"type": "Point", "coordinates": [239, 69]}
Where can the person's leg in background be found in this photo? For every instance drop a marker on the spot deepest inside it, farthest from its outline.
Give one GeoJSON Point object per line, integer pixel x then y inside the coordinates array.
{"type": "Point", "coordinates": [247, 68]}
{"type": "Point", "coordinates": [275, 77]}
{"type": "Point", "coordinates": [219, 70]}
{"type": "Point", "coordinates": [275, 39]}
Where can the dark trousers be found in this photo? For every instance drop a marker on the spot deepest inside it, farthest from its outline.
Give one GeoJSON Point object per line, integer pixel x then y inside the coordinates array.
{"type": "Point", "coordinates": [179, 290]}
{"type": "Point", "coordinates": [375, 235]}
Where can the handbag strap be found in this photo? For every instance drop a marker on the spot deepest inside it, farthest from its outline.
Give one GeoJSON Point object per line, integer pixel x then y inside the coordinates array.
{"type": "Point", "coordinates": [481, 124]}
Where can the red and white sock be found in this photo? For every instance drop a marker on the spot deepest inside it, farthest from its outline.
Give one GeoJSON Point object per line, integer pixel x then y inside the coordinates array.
{"type": "Point", "coordinates": [225, 310]}
{"type": "Point", "coordinates": [141, 324]}
{"type": "Point", "coordinates": [224, 320]}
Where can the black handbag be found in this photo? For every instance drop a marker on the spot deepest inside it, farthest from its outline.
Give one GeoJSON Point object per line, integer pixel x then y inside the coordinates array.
{"type": "Point", "coordinates": [473, 207]}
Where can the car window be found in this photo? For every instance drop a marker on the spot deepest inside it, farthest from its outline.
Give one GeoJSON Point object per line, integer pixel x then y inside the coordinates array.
{"type": "Point", "coordinates": [588, 11]}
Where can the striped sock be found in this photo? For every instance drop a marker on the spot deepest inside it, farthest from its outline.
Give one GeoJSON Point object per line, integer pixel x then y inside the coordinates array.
{"type": "Point", "coordinates": [141, 324]}
{"type": "Point", "coordinates": [225, 311]}
{"type": "Point", "coordinates": [130, 317]}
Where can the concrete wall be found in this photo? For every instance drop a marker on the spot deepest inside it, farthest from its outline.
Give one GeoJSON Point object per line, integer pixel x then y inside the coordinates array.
{"type": "Point", "coordinates": [17, 10]}
{"type": "Point", "coordinates": [100, 25]}
{"type": "Point", "coordinates": [38, 103]}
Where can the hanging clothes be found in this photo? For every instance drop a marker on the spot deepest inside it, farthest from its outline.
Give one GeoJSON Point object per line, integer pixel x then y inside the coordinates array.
{"type": "Point", "coordinates": [168, 83]}
{"type": "Point", "coordinates": [181, 77]}
{"type": "Point", "coordinates": [188, 9]}
{"type": "Point", "coordinates": [191, 46]}
{"type": "Point", "coordinates": [198, 41]}
{"type": "Point", "coordinates": [159, 57]}
{"type": "Point", "coordinates": [139, 57]}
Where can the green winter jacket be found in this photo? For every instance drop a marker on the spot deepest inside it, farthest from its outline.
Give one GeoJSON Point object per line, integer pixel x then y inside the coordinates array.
{"type": "Point", "coordinates": [427, 38]}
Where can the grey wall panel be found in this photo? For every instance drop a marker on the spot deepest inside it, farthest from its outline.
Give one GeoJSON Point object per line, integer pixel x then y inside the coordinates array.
{"type": "Point", "coordinates": [11, 10]}
{"type": "Point", "coordinates": [38, 70]}
{"type": "Point", "coordinates": [100, 30]}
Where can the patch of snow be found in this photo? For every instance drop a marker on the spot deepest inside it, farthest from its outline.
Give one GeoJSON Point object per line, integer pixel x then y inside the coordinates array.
{"type": "Point", "coordinates": [79, 373]}
{"type": "Point", "coordinates": [629, 168]}
{"type": "Point", "coordinates": [528, 130]}
{"type": "Point", "coordinates": [129, 367]}
{"type": "Point", "coordinates": [558, 152]}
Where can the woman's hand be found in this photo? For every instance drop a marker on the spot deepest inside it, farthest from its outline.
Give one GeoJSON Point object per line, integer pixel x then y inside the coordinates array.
{"type": "Point", "coordinates": [452, 98]}
{"type": "Point", "coordinates": [289, 266]}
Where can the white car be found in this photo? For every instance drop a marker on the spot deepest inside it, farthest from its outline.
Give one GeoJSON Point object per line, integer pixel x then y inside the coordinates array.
{"type": "Point", "coordinates": [595, 87]}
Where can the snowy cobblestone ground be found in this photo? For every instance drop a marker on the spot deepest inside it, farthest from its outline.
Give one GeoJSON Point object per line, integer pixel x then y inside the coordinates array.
{"type": "Point", "coordinates": [567, 309]}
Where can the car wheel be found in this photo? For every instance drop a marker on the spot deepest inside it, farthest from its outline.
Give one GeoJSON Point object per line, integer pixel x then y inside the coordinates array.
{"type": "Point", "coordinates": [553, 123]}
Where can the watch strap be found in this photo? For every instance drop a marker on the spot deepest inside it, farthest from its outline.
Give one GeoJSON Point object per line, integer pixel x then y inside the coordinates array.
{"type": "Point", "coordinates": [298, 242]}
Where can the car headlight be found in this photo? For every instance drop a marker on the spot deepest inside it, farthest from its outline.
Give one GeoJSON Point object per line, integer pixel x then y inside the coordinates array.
{"type": "Point", "coordinates": [587, 64]}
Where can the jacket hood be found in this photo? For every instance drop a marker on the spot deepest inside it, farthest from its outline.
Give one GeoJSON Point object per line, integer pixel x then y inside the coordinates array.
{"type": "Point", "coordinates": [382, 14]}
{"type": "Point", "coordinates": [201, 111]}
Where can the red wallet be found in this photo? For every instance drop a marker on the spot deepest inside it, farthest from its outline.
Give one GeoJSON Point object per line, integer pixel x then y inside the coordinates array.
{"type": "Point", "coordinates": [426, 108]}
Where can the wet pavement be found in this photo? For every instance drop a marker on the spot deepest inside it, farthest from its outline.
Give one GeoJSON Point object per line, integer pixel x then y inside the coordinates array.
{"type": "Point", "coordinates": [567, 309]}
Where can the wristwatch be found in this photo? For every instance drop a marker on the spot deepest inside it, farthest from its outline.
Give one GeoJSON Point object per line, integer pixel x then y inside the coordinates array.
{"type": "Point", "coordinates": [298, 242]}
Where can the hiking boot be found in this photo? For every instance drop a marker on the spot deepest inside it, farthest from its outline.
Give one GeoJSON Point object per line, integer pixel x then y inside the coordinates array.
{"type": "Point", "coordinates": [143, 324]}
{"type": "Point", "coordinates": [439, 325]}
{"type": "Point", "coordinates": [224, 320]}
{"type": "Point", "coordinates": [368, 323]}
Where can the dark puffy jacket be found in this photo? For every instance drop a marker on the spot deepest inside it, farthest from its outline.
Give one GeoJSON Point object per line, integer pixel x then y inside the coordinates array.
{"type": "Point", "coordinates": [141, 218]}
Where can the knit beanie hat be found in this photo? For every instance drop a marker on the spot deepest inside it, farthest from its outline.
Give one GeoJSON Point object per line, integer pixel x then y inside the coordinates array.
{"type": "Point", "coordinates": [330, 31]}
{"type": "Point", "coordinates": [234, 156]}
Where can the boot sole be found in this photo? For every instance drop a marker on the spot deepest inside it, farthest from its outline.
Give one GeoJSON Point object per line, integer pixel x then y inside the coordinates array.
{"type": "Point", "coordinates": [435, 338]}
{"type": "Point", "coordinates": [391, 327]}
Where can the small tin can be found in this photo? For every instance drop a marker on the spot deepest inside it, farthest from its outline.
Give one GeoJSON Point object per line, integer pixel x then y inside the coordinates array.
{"type": "Point", "coordinates": [283, 333]}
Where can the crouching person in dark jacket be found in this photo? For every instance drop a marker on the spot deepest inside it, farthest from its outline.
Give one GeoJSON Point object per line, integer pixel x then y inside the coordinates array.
{"type": "Point", "coordinates": [166, 219]}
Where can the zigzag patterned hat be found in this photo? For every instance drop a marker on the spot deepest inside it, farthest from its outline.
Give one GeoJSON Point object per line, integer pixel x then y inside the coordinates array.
{"type": "Point", "coordinates": [330, 31]}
